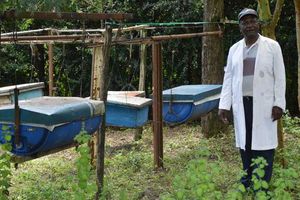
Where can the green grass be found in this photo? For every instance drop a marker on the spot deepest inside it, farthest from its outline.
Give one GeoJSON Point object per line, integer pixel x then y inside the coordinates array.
{"type": "Point", "coordinates": [129, 169]}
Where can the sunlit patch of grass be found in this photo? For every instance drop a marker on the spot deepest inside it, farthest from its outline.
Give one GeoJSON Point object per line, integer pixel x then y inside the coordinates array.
{"type": "Point", "coordinates": [44, 178]}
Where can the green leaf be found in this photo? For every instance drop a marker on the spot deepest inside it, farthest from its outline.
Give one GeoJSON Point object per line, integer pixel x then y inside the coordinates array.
{"type": "Point", "coordinates": [257, 185]}
{"type": "Point", "coordinates": [260, 173]}
{"type": "Point", "coordinates": [7, 138]}
{"type": "Point", "coordinates": [264, 185]}
{"type": "Point", "coordinates": [241, 188]}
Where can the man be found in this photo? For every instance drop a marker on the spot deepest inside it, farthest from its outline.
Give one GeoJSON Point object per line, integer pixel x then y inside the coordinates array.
{"type": "Point", "coordinates": [254, 85]}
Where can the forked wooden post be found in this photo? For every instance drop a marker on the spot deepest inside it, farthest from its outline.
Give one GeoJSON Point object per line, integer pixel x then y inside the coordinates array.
{"type": "Point", "coordinates": [103, 87]}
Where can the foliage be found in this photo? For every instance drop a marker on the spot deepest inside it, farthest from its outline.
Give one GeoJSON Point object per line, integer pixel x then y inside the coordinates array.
{"type": "Point", "coordinates": [84, 188]}
{"type": "Point", "coordinates": [291, 124]}
{"type": "Point", "coordinates": [129, 170]}
{"type": "Point", "coordinates": [196, 183]}
{"type": "Point", "coordinates": [284, 184]}
{"type": "Point", "coordinates": [260, 186]}
{"type": "Point", "coordinates": [5, 164]}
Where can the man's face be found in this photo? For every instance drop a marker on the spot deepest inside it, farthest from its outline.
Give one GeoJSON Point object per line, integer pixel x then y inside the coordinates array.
{"type": "Point", "coordinates": [249, 26]}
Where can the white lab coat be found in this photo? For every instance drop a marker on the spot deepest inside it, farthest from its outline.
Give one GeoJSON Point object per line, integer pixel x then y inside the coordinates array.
{"type": "Point", "coordinates": [268, 91]}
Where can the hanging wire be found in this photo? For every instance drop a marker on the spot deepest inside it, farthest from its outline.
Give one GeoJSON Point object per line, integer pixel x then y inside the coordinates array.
{"type": "Point", "coordinates": [0, 29]}
{"type": "Point", "coordinates": [63, 68]}
{"type": "Point", "coordinates": [129, 85]}
{"type": "Point", "coordinates": [0, 37]}
{"type": "Point", "coordinates": [171, 83]}
{"type": "Point", "coordinates": [31, 62]}
{"type": "Point", "coordinates": [173, 24]}
{"type": "Point", "coordinates": [171, 102]}
{"type": "Point", "coordinates": [134, 68]}
{"type": "Point", "coordinates": [83, 71]}
{"type": "Point", "coordinates": [118, 34]}
{"type": "Point", "coordinates": [15, 32]}
{"type": "Point", "coordinates": [62, 63]}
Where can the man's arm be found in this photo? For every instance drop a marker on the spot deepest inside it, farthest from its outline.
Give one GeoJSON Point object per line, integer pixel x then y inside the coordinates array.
{"type": "Point", "coordinates": [279, 84]}
{"type": "Point", "coordinates": [224, 115]}
{"type": "Point", "coordinates": [226, 93]}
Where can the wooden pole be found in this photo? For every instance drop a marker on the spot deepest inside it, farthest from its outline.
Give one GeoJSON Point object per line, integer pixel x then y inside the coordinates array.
{"type": "Point", "coordinates": [13, 14]}
{"type": "Point", "coordinates": [157, 106]}
{"type": "Point", "coordinates": [143, 57]}
{"type": "Point", "coordinates": [97, 62]}
{"type": "Point", "coordinates": [184, 36]}
{"type": "Point", "coordinates": [17, 117]}
{"type": "Point", "coordinates": [30, 38]}
{"type": "Point", "coordinates": [103, 90]}
{"type": "Point", "coordinates": [51, 68]}
{"type": "Point", "coordinates": [97, 40]}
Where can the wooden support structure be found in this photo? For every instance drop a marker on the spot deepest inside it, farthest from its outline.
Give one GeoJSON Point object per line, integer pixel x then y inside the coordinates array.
{"type": "Point", "coordinates": [101, 40]}
{"type": "Point", "coordinates": [143, 58]}
{"type": "Point", "coordinates": [91, 38]}
{"type": "Point", "coordinates": [17, 117]}
{"type": "Point", "coordinates": [13, 14]}
{"type": "Point", "coordinates": [97, 39]}
{"type": "Point", "coordinates": [99, 85]}
{"type": "Point", "coordinates": [280, 135]}
{"type": "Point", "coordinates": [157, 106]}
{"type": "Point", "coordinates": [50, 69]}
{"type": "Point", "coordinates": [103, 90]}
{"type": "Point", "coordinates": [97, 63]}
{"type": "Point", "coordinates": [73, 31]}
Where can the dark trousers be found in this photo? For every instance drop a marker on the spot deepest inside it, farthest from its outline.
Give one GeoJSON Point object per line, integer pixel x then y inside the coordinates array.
{"type": "Point", "coordinates": [248, 154]}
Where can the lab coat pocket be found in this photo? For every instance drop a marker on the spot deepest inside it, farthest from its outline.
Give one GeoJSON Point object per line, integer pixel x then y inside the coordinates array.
{"type": "Point", "coordinates": [268, 104]}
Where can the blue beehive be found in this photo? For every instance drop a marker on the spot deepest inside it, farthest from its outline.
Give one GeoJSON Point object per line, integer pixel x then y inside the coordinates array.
{"type": "Point", "coordinates": [125, 110]}
{"type": "Point", "coordinates": [188, 102]}
{"type": "Point", "coordinates": [47, 123]}
{"type": "Point", "coordinates": [26, 91]}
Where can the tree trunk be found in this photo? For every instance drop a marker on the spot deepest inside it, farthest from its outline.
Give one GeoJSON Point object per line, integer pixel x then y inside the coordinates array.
{"type": "Point", "coordinates": [269, 21]}
{"type": "Point", "coordinates": [297, 10]}
{"type": "Point", "coordinates": [268, 30]}
{"type": "Point", "coordinates": [212, 60]}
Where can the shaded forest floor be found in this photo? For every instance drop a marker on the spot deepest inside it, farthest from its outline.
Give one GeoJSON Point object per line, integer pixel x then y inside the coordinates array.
{"type": "Point", "coordinates": [129, 170]}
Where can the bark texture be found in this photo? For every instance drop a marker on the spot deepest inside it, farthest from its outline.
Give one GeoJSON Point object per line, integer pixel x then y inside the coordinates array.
{"type": "Point", "coordinates": [268, 29]}
{"type": "Point", "coordinates": [297, 11]}
{"type": "Point", "coordinates": [212, 60]}
{"type": "Point", "coordinates": [269, 20]}
{"type": "Point", "coordinates": [103, 90]}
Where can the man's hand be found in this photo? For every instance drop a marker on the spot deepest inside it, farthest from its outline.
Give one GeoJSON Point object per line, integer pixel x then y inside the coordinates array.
{"type": "Point", "coordinates": [276, 113]}
{"type": "Point", "coordinates": [224, 115]}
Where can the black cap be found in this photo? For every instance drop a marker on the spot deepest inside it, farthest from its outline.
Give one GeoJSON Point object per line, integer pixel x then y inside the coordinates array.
{"type": "Point", "coordinates": [247, 11]}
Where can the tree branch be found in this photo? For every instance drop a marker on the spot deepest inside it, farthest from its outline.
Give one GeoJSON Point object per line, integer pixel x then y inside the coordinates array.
{"type": "Point", "coordinates": [277, 12]}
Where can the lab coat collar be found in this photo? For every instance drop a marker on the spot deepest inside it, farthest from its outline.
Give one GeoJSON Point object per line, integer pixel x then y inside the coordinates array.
{"type": "Point", "coordinates": [255, 43]}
